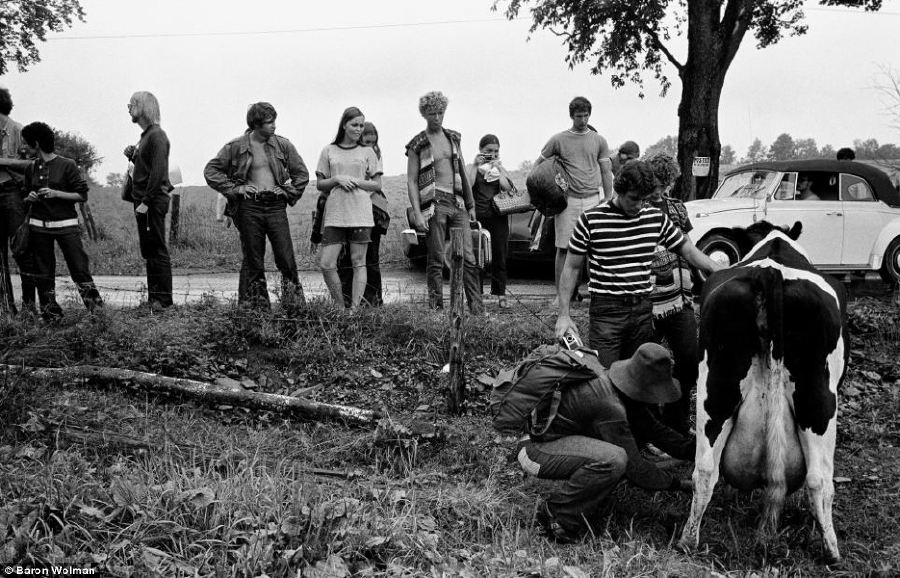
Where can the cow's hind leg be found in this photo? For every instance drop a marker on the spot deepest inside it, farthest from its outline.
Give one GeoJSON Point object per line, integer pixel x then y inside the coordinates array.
{"type": "Point", "coordinates": [819, 452]}
{"type": "Point", "coordinates": [706, 467]}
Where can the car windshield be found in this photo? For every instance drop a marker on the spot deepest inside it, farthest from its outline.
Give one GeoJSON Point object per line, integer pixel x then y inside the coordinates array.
{"type": "Point", "coordinates": [747, 185]}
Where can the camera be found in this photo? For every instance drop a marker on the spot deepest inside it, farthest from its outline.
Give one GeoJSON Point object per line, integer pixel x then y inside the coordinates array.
{"type": "Point", "coordinates": [570, 340]}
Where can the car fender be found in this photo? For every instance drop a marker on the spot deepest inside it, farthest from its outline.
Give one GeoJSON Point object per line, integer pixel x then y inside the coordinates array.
{"type": "Point", "coordinates": [705, 224]}
{"type": "Point", "coordinates": [888, 233]}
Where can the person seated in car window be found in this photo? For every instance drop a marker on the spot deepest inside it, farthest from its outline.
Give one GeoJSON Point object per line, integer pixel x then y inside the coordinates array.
{"type": "Point", "coordinates": [804, 188]}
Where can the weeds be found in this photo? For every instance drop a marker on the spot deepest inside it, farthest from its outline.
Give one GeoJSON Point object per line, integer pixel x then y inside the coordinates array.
{"type": "Point", "coordinates": [228, 492]}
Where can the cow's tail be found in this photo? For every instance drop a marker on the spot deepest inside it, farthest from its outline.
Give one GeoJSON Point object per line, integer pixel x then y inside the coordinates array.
{"type": "Point", "coordinates": [772, 339]}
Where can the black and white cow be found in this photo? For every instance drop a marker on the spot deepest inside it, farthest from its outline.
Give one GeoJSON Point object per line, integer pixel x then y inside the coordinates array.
{"type": "Point", "coordinates": [773, 352]}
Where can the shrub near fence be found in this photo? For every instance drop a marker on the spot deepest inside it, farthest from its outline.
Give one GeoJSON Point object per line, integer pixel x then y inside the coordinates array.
{"type": "Point", "coordinates": [208, 245]}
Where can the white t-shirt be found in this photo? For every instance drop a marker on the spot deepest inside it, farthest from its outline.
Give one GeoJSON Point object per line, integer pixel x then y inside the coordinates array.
{"type": "Point", "coordinates": [348, 208]}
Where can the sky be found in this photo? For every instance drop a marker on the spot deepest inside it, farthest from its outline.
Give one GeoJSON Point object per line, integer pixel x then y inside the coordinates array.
{"type": "Point", "coordinates": [207, 61]}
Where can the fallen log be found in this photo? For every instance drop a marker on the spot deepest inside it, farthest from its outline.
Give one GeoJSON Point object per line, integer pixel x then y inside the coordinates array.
{"type": "Point", "coordinates": [204, 392]}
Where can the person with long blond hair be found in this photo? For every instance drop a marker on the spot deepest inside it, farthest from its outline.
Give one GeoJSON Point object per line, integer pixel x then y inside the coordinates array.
{"type": "Point", "coordinates": [150, 188]}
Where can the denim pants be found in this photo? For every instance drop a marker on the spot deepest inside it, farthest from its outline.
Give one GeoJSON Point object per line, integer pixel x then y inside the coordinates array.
{"type": "Point", "coordinates": [12, 214]}
{"type": "Point", "coordinates": [152, 237]}
{"type": "Point", "coordinates": [619, 325]}
{"type": "Point", "coordinates": [590, 467]}
{"type": "Point", "coordinates": [680, 332]}
{"type": "Point", "coordinates": [256, 221]}
{"type": "Point", "coordinates": [448, 215]}
{"type": "Point", "coordinates": [42, 247]}
{"type": "Point", "coordinates": [498, 227]}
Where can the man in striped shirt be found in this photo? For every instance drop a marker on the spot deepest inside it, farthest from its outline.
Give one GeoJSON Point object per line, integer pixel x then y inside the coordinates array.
{"type": "Point", "coordinates": [619, 238]}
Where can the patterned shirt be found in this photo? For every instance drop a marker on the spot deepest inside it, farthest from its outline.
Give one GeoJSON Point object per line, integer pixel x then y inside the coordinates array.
{"type": "Point", "coordinates": [620, 248]}
{"type": "Point", "coordinates": [671, 274]}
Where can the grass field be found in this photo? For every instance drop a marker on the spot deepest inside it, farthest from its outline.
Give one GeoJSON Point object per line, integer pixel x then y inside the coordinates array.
{"type": "Point", "coordinates": [222, 491]}
{"type": "Point", "coordinates": [207, 245]}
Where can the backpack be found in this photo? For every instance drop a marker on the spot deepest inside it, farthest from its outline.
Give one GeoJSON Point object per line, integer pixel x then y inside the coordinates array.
{"type": "Point", "coordinates": [526, 398]}
{"type": "Point", "coordinates": [547, 185]}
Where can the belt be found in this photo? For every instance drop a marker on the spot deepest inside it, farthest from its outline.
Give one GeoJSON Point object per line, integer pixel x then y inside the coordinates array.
{"type": "Point", "coordinates": [53, 224]}
{"type": "Point", "coordinates": [629, 299]}
{"type": "Point", "coordinates": [453, 197]}
{"type": "Point", "coordinates": [264, 196]}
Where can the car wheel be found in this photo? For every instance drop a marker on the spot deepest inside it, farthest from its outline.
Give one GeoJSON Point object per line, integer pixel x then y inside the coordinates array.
{"type": "Point", "coordinates": [720, 248]}
{"type": "Point", "coordinates": [890, 268]}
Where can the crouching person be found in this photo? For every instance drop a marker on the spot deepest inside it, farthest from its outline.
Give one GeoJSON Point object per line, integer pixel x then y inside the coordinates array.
{"type": "Point", "coordinates": [592, 443]}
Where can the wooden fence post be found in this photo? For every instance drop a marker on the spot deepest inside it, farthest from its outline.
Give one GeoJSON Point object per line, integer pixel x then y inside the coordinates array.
{"type": "Point", "coordinates": [456, 387]}
{"type": "Point", "coordinates": [175, 219]}
{"type": "Point", "coordinates": [88, 217]}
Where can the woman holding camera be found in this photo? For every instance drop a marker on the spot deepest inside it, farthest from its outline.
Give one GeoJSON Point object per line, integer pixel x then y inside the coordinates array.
{"type": "Point", "coordinates": [54, 185]}
{"type": "Point", "coordinates": [489, 177]}
{"type": "Point", "coordinates": [350, 173]}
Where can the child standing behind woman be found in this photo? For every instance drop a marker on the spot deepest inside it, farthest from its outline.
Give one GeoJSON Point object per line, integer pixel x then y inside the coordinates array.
{"type": "Point", "coordinates": [350, 174]}
{"type": "Point", "coordinates": [488, 177]}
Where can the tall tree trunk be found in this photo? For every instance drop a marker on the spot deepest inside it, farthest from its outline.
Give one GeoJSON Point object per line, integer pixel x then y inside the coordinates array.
{"type": "Point", "coordinates": [702, 79]}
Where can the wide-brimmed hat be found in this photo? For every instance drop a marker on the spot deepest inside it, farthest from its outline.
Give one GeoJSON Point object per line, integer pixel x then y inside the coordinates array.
{"type": "Point", "coordinates": [647, 376]}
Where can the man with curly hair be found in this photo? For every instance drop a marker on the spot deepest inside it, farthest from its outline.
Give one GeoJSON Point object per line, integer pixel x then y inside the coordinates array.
{"type": "Point", "coordinates": [441, 198]}
{"type": "Point", "coordinates": [672, 299]}
{"type": "Point", "coordinates": [619, 239]}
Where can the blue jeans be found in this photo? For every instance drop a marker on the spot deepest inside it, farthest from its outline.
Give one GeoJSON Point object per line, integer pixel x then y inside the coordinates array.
{"type": "Point", "coordinates": [256, 221]}
{"type": "Point", "coordinates": [590, 467]}
{"type": "Point", "coordinates": [448, 215]}
{"type": "Point", "coordinates": [619, 325]}
{"type": "Point", "coordinates": [69, 241]}
{"type": "Point", "coordinates": [152, 237]}
{"type": "Point", "coordinates": [680, 332]}
{"type": "Point", "coordinates": [12, 214]}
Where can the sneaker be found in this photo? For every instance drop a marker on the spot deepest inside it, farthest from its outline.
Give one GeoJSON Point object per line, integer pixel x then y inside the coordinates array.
{"type": "Point", "coordinates": [551, 528]}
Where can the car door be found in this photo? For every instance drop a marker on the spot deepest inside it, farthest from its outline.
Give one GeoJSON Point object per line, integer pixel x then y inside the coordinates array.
{"type": "Point", "coordinates": [823, 220]}
{"type": "Point", "coordinates": [863, 220]}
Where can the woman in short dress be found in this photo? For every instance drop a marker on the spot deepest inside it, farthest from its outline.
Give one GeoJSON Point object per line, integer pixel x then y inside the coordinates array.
{"type": "Point", "coordinates": [350, 173]}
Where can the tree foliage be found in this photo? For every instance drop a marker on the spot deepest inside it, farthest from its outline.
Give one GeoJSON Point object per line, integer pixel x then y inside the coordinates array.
{"type": "Point", "coordinates": [628, 40]}
{"type": "Point", "coordinates": [782, 149]}
{"type": "Point", "coordinates": [77, 148]}
{"type": "Point", "coordinates": [668, 144]}
{"type": "Point", "coordinates": [24, 23]}
{"type": "Point", "coordinates": [728, 156]}
{"type": "Point", "coordinates": [115, 179]}
{"type": "Point", "coordinates": [755, 152]}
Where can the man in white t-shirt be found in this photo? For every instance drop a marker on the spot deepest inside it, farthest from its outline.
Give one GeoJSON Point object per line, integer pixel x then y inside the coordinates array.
{"type": "Point", "coordinates": [584, 155]}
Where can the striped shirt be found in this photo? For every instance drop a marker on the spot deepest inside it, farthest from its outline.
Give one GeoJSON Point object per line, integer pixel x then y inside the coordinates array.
{"type": "Point", "coordinates": [620, 248]}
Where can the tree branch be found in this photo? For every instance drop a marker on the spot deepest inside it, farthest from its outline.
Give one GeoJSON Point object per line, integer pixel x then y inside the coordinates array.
{"type": "Point", "coordinates": [655, 39]}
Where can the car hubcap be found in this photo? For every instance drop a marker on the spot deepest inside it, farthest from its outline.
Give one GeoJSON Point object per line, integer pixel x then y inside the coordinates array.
{"type": "Point", "coordinates": [720, 256]}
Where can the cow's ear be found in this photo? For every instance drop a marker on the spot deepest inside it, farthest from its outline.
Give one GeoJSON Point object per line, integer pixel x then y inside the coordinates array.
{"type": "Point", "coordinates": [742, 239]}
{"type": "Point", "coordinates": [795, 231]}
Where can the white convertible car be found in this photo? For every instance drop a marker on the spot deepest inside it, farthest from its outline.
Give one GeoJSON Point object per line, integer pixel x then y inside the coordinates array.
{"type": "Point", "coordinates": [850, 213]}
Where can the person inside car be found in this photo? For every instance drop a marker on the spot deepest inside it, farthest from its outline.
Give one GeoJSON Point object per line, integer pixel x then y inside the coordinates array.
{"type": "Point", "coordinates": [804, 188]}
